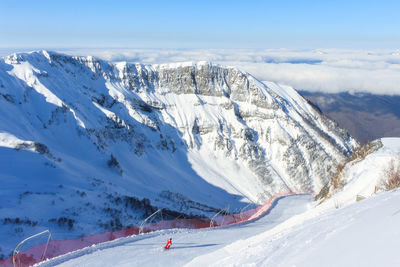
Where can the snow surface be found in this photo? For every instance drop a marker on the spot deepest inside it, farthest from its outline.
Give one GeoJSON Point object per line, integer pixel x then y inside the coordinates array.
{"type": "Point", "coordinates": [392, 144]}
{"type": "Point", "coordinates": [10, 141]}
{"type": "Point", "coordinates": [363, 234]}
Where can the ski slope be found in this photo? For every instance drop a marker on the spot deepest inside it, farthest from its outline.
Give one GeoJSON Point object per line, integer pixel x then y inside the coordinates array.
{"type": "Point", "coordinates": [366, 233]}
{"type": "Point", "coordinates": [147, 249]}
{"type": "Point", "coordinates": [294, 233]}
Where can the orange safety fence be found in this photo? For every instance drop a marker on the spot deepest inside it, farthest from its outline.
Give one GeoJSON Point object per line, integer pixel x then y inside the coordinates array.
{"type": "Point", "coordinates": [59, 247]}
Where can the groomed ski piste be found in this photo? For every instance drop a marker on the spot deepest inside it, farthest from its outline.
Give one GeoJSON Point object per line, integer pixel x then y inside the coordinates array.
{"type": "Point", "coordinates": [293, 233]}
{"type": "Point", "coordinates": [187, 244]}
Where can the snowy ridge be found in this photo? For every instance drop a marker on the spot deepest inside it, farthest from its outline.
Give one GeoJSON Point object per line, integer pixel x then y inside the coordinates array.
{"type": "Point", "coordinates": [363, 177]}
{"type": "Point", "coordinates": [216, 135]}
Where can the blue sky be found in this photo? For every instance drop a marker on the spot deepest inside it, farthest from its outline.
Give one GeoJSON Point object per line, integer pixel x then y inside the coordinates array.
{"type": "Point", "coordinates": [199, 24]}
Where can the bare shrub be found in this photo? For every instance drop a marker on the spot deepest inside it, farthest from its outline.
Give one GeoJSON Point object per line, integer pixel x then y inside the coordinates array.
{"type": "Point", "coordinates": [113, 163]}
{"type": "Point", "coordinates": [365, 150]}
{"type": "Point", "coordinates": [323, 193]}
{"type": "Point", "coordinates": [337, 181]}
{"type": "Point", "coordinates": [391, 178]}
{"type": "Point", "coordinates": [63, 222]}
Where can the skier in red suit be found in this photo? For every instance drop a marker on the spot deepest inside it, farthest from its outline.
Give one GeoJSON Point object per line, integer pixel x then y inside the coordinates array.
{"type": "Point", "coordinates": [169, 243]}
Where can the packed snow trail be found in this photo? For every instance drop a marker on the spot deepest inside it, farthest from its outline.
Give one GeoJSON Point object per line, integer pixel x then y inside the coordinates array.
{"type": "Point", "coordinates": [147, 249]}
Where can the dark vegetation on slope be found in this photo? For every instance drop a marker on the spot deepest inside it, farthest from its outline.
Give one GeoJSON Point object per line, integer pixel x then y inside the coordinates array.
{"type": "Point", "coordinates": [366, 116]}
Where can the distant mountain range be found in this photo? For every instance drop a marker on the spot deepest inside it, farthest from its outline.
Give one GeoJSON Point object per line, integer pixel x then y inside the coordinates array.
{"type": "Point", "coordinates": [366, 116]}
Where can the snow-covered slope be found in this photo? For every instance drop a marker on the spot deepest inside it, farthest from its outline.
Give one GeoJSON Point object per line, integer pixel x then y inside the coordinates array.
{"type": "Point", "coordinates": [88, 146]}
{"type": "Point", "coordinates": [363, 234]}
{"type": "Point", "coordinates": [294, 233]}
{"type": "Point", "coordinates": [362, 177]}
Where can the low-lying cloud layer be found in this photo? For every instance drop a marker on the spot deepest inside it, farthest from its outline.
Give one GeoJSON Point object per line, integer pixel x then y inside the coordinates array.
{"type": "Point", "coordinates": [325, 70]}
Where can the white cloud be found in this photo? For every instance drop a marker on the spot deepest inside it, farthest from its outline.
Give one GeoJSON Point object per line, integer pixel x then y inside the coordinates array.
{"type": "Point", "coordinates": [327, 70]}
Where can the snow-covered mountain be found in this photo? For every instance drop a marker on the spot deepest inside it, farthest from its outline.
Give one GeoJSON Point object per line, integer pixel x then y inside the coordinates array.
{"type": "Point", "coordinates": [364, 174]}
{"type": "Point", "coordinates": [88, 146]}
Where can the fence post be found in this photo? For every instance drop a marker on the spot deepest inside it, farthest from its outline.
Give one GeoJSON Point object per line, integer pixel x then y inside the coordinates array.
{"type": "Point", "coordinates": [213, 218]}
{"type": "Point", "coordinates": [145, 220]}
{"type": "Point", "coordinates": [16, 259]}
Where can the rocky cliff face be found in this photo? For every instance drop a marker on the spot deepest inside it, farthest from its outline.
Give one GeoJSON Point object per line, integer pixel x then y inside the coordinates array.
{"type": "Point", "coordinates": [270, 129]}
{"type": "Point", "coordinates": [174, 134]}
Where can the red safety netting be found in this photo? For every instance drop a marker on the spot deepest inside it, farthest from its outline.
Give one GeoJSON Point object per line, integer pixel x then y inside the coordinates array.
{"type": "Point", "coordinates": [59, 247]}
